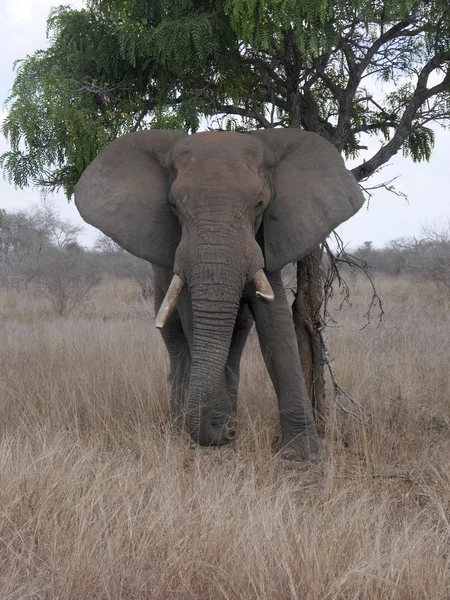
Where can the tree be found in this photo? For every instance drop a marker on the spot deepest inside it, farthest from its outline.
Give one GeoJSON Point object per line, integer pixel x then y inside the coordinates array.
{"type": "Point", "coordinates": [122, 65]}
{"type": "Point", "coordinates": [29, 237]}
{"type": "Point", "coordinates": [67, 279]}
{"type": "Point", "coordinates": [24, 239]}
{"type": "Point", "coordinates": [105, 245]}
{"type": "Point", "coordinates": [119, 262]}
{"type": "Point", "coordinates": [38, 245]}
{"type": "Point", "coordinates": [428, 256]}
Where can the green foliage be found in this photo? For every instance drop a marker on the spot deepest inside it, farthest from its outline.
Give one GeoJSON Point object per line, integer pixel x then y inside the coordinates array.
{"type": "Point", "coordinates": [419, 144]}
{"type": "Point", "coordinates": [261, 22]}
{"type": "Point", "coordinates": [121, 65]}
{"type": "Point", "coordinates": [57, 120]}
{"type": "Point", "coordinates": [316, 24]}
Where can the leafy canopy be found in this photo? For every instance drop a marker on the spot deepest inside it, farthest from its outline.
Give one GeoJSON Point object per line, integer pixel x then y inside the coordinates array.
{"type": "Point", "coordinates": [342, 68]}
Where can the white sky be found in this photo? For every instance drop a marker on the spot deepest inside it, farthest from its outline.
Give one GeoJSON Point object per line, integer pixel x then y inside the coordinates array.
{"type": "Point", "coordinates": [22, 31]}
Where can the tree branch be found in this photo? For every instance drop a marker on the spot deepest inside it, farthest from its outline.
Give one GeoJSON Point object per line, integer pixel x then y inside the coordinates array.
{"type": "Point", "coordinates": [358, 412]}
{"type": "Point", "coordinates": [389, 35]}
{"type": "Point", "coordinates": [420, 95]}
{"type": "Point", "coordinates": [249, 113]}
{"type": "Point", "coordinates": [356, 70]}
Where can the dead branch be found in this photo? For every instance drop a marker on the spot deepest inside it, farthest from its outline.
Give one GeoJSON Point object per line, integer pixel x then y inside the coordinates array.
{"type": "Point", "coordinates": [386, 185]}
{"type": "Point", "coordinates": [358, 412]}
{"type": "Point", "coordinates": [336, 261]}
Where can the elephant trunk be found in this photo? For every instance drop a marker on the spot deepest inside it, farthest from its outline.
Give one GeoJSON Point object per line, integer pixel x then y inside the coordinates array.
{"type": "Point", "coordinates": [215, 294]}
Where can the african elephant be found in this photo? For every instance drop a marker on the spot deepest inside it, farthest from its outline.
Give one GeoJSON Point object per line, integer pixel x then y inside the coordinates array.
{"type": "Point", "coordinates": [218, 214]}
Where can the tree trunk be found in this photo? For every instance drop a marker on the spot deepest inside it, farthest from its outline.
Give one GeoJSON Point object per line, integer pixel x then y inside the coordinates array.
{"type": "Point", "coordinates": [306, 312]}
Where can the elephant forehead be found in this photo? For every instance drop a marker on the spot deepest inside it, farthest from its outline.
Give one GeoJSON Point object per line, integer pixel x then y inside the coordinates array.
{"type": "Point", "coordinates": [219, 147]}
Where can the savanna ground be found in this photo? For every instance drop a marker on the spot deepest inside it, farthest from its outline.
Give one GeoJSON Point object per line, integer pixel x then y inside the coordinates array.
{"type": "Point", "coordinates": [100, 500]}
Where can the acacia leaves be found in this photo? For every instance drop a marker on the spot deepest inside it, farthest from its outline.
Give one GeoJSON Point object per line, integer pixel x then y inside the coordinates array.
{"type": "Point", "coordinates": [318, 24]}
{"type": "Point", "coordinates": [419, 144]}
{"type": "Point", "coordinates": [261, 22]}
{"type": "Point", "coordinates": [67, 103]}
{"type": "Point", "coordinates": [46, 126]}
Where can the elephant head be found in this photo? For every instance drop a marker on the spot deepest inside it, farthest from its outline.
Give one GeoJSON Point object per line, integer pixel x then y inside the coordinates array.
{"type": "Point", "coordinates": [216, 208]}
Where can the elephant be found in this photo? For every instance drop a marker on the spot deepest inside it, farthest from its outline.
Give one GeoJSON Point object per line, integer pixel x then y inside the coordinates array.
{"type": "Point", "coordinates": [218, 214]}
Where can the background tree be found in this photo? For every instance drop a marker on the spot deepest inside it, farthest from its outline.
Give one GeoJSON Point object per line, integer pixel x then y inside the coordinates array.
{"type": "Point", "coordinates": [426, 256]}
{"type": "Point", "coordinates": [25, 238]}
{"type": "Point", "coordinates": [67, 279]}
{"type": "Point", "coordinates": [122, 65]}
{"type": "Point", "coordinates": [38, 247]}
{"type": "Point", "coordinates": [117, 261]}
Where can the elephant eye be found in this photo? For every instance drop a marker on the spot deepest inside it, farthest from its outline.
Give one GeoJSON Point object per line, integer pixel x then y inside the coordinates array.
{"type": "Point", "coordinates": [259, 203]}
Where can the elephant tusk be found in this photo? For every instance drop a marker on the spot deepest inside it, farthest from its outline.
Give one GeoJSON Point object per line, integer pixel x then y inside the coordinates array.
{"type": "Point", "coordinates": [169, 302]}
{"type": "Point", "coordinates": [264, 290]}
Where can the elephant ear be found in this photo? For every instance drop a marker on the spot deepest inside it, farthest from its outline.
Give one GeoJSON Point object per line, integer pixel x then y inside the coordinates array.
{"type": "Point", "coordinates": [313, 193]}
{"type": "Point", "coordinates": [124, 193]}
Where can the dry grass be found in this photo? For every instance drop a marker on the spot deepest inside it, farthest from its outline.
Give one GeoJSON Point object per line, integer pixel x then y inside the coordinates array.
{"type": "Point", "coordinates": [99, 500]}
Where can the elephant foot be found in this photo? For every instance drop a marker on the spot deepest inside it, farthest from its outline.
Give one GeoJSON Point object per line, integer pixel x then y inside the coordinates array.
{"type": "Point", "coordinates": [220, 430]}
{"type": "Point", "coordinates": [214, 437]}
{"type": "Point", "coordinates": [302, 448]}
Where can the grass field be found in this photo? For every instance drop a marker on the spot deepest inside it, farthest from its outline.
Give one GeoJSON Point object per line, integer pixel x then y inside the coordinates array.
{"type": "Point", "coordinates": [100, 500]}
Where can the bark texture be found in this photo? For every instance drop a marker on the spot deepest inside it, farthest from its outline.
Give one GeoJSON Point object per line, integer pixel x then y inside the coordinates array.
{"type": "Point", "coordinates": [306, 313]}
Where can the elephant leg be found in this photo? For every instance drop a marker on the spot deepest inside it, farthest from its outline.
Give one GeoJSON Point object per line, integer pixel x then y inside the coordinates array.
{"type": "Point", "coordinates": [244, 324]}
{"type": "Point", "coordinates": [279, 347]}
{"type": "Point", "coordinates": [179, 356]}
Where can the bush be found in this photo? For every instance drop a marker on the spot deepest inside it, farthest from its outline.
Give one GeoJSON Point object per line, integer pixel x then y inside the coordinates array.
{"type": "Point", "coordinates": [426, 257]}
{"type": "Point", "coordinates": [67, 279]}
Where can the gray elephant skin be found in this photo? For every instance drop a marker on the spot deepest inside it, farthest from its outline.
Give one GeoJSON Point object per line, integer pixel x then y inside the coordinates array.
{"type": "Point", "coordinates": [219, 214]}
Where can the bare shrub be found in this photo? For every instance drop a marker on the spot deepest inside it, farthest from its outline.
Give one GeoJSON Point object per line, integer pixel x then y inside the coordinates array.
{"type": "Point", "coordinates": [426, 257]}
{"type": "Point", "coordinates": [24, 238]}
{"type": "Point", "coordinates": [27, 237]}
{"type": "Point", "coordinates": [67, 279]}
{"type": "Point", "coordinates": [116, 261]}
{"type": "Point", "coordinates": [429, 256]}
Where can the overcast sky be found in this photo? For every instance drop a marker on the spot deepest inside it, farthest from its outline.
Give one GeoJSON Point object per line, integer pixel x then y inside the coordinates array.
{"type": "Point", "coordinates": [22, 31]}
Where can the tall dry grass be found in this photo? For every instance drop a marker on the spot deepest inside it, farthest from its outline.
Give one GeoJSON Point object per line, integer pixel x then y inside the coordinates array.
{"type": "Point", "coordinates": [100, 500]}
